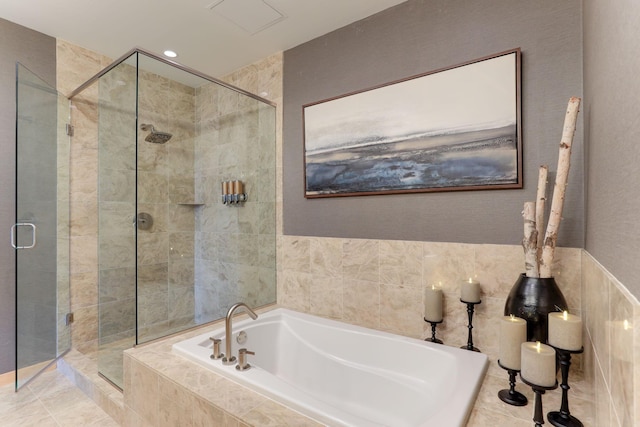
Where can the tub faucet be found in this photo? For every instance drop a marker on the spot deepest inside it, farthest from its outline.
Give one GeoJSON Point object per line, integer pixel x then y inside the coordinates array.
{"type": "Point", "coordinates": [229, 359]}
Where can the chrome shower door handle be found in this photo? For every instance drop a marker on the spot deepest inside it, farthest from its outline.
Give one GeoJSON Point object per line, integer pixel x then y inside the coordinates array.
{"type": "Point", "coordinates": [14, 243]}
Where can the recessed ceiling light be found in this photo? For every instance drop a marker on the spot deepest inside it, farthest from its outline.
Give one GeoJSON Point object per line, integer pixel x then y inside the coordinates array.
{"type": "Point", "coordinates": [170, 54]}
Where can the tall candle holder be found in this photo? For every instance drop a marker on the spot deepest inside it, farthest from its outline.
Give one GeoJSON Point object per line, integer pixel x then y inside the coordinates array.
{"type": "Point", "coordinates": [433, 331]}
{"type": "Point", "coordinates": [563, 417]}
{"type": "Point", "coordinates": [511, 396]}
{"type": "Point", "coordinates": [538, 390]}
{"type": "Point", "coordinates": [470, 309]}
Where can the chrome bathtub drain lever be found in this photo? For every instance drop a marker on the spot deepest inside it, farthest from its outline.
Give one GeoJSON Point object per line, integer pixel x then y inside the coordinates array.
{"type": "Point", "coordinates": [242, 359]}
{"type": "Point", "coordinates": [216, 349]}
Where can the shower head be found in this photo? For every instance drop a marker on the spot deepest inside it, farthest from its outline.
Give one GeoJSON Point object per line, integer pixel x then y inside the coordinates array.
{"type": "Point", "coordinates": [155, 136]}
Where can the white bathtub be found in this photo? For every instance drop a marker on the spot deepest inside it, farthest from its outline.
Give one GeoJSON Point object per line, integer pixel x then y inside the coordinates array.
{"type": "Point", "coordinates": [345, 375]}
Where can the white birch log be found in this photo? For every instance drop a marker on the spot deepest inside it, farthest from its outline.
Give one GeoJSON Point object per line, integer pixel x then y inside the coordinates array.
{"type": "Point", "coordinates": [530, 240]}
{"type": "Point", "coordinates": [541, 199]}
{"type": "Point", "coordinates": [559, 190]}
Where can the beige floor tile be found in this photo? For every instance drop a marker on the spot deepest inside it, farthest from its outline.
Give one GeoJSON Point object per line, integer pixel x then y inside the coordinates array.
{"type": "Point", "coordinates": [50, 400]}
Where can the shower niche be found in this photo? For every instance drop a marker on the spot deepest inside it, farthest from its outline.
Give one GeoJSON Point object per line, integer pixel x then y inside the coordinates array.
{"type": "Point", "coordinates": [170, 256]}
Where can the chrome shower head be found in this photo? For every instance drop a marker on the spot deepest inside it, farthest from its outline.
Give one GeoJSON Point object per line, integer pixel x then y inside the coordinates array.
{"type": "Point", "coordinates": [155, 136]}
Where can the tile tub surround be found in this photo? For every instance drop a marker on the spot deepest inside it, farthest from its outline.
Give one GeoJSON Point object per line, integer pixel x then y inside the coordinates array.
{"type": "Point", "coordinates": [310, 372]}
{"type": "Point", "coordinates": [380, 284]}
{"type": "Point", "coordinates": [612, 346]}
{"type": "Point", "coordinates": [160, 384]}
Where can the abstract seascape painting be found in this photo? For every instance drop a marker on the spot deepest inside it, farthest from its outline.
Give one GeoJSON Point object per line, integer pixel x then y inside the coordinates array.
{"type": "Point", "coordinates": [447, 130]}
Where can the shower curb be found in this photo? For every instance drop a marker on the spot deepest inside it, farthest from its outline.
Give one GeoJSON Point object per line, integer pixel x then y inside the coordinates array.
{"type": "Point", "coordinates": [81, 370]}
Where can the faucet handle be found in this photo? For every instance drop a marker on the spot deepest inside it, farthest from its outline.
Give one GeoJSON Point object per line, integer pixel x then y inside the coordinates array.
{"type": "Point", "coordinates": [242, 359]}
{"type": "Point", "coordinates": [216, 348]}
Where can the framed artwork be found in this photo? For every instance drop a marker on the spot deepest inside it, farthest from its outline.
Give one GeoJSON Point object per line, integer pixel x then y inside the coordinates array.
{"type": "Point", "coordinates": [451, 129]}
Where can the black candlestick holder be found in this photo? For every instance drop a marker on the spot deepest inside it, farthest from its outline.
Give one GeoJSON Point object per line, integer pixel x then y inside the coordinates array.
{"type": "Point", "coordinates": [538, 390]}
{"type": "Point", "coordinates": [470, 309]}
{"type": "Point", "coordinates": [433, 331]}
{"type": "Point", "coordinates": [511, 396]}
{"type": "Point", "coordinates": [563, 417]}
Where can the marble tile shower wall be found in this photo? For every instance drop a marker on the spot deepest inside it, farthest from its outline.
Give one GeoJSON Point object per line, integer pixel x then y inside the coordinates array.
{"type": "Point", "coordinates": [76, 65]}
{"type": "Point", "coordinates": [177, 272]}
{"type": "Point", "coordinates": [264, 78]}
{"type": "Point", "coordinates": [116, 207]}
{"type": "Point", "coordinates": [166, 191]}
{"type": "Point", "coordinates": [235, 245]}
{"type": "Point", "coordinates": [166, 272]}
{"type": "Point", "coordinates": [150, 397]}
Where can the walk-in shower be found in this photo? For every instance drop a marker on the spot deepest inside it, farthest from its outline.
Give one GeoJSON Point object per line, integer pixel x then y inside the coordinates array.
{"type": "Point", "coordinates": [194, 256]}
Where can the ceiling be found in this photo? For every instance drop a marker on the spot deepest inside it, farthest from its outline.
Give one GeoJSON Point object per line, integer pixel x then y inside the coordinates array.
{"type": "Point", "coordinates": [211, 36]}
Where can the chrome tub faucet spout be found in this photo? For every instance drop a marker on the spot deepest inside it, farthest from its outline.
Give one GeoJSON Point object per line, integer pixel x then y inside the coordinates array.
{"type": "Point", "coordinates": [229, 359]}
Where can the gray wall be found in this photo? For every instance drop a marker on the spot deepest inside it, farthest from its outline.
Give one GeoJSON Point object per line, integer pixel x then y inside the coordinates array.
{"type": "Point", "coordinates": [612, 90]}
{"type": "Point", "coordinates": [37, 52]}
{"type": "Point", "coordinates": [416, 37]}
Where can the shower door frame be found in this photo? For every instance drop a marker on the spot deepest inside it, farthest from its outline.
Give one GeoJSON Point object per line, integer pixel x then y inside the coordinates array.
{"type": "Point", "coordinates": [118, 61]}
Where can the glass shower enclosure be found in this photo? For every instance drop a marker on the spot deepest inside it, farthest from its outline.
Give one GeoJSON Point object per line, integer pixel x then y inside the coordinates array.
{"type": "Point", "coordinates": [40, 235]}
{"type": "Point", "coordinates": [172, 252]}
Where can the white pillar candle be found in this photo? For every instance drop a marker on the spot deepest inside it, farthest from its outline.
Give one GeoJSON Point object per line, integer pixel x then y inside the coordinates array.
{"type": "Point", "coordinates": [565, 331]}
{"type": "Point", "coordinates": [538, 364]}
{"type": "Point", "coordinates": [433, 303]}
{"type": "Point", "coordinates": [513, 332]}
{"type": "Point", "coordinates": [470, 291]}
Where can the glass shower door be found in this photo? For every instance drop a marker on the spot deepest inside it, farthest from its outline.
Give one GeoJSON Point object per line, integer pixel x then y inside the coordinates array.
{"type": "Point", "coordinates": [40, 234]}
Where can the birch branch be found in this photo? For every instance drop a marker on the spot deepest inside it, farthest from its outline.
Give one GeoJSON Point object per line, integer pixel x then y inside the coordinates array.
{"type": "Point", "coordinates": [541, 199]}
{"type": "Point", "coordinates": [530, 240]}
{"type": "Point", "coordinates": [559, 190]}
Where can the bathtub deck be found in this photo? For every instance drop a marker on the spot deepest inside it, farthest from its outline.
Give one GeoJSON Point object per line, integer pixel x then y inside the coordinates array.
{"type": "Point", "coordinates": [166, 383]}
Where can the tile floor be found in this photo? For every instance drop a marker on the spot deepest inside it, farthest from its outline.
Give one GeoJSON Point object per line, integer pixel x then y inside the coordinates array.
{"type": "Point", "coordinates": [51, 400]}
